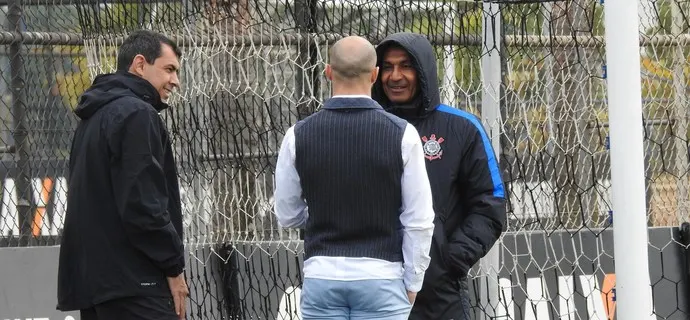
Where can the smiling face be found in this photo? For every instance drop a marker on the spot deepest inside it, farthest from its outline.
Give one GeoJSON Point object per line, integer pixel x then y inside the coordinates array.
{"type": "Point", "coordinates": [162, 73]}
{"type": "Point", "coordinates": [398, 76]}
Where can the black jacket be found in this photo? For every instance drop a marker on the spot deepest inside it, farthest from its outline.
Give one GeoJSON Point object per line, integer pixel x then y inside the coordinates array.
{"type": "Point", "coordinates": [465, 181]}
{"type": "Point", "coordinates": [123, 225]}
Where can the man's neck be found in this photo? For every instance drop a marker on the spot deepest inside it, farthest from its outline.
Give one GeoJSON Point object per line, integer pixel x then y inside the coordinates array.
{"type": "Point", "coordinates": [409, 109]}
{"type": "Point", "coordinates": [351, 91]}
{"type": "Point", "coordinates": [407, 113]}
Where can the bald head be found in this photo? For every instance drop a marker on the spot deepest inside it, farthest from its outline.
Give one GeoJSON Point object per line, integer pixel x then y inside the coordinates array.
{"type": "Point", "coordinates": [352, 58]}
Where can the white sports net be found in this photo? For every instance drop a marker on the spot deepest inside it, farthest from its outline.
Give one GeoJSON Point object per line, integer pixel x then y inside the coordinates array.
{"type": "Point", "coordinates": [252, 68]}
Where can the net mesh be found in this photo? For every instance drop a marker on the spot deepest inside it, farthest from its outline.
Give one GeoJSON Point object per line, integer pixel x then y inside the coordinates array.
{"type": "Point", "coordinates": [42, 74]}
{"type": "Point", "coordinates": [252, 68]}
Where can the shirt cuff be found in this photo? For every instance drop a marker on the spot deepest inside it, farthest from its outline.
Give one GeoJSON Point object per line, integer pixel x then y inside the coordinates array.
{"type": "Point", "coordinates": [413, 282]}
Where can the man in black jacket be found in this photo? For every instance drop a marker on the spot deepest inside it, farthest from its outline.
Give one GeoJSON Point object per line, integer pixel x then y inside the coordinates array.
{"type": "Point", "coordinates": [122, 255]}
{"type": "Point", "coordinates": [465, 179]}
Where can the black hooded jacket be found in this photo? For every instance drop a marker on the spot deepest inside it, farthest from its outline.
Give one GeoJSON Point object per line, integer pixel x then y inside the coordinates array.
{"type": "Point", "coordinates": [123, 226]}
{"type": "Point", "coordinates": [465, 180]}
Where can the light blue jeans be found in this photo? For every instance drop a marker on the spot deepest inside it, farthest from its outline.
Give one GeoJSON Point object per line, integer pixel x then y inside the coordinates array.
{"type": "Point", "coordinates": [362, 299]}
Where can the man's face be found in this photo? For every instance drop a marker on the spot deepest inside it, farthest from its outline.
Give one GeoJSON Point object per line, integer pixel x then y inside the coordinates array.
{"type": "Point", "coordinates": [162, 74]}
{"type": "Point", "coordinates": [398, 76]}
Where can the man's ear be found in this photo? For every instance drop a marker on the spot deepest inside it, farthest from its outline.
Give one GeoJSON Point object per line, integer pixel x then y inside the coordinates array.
{"type": "Point", "coordinates": [137, 66]}
{"type": "Point", "coordinates": [374, 75]}
{"type": "Point", "coordinates": [329, 72]}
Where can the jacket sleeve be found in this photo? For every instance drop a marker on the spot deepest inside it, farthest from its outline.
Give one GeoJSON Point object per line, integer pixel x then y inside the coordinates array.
{"type": "Point", "coordinates": [141, 193]}
{"type": "Point", "coordinates": [482, 200]}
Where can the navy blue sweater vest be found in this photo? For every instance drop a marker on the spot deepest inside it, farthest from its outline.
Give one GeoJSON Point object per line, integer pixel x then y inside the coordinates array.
{"type": "Point", "coordinates": [349, 162]}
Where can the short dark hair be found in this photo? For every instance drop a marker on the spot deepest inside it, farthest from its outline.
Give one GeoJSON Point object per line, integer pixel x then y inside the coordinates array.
{"type": "Point", "coordinates": [146, 43]}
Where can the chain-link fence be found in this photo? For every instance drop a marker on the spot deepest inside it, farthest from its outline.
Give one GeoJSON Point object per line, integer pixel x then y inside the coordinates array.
{"type": "Point", "coordinates": [534, 71]}
{"type": "Point", "coordinates": [42, 73]}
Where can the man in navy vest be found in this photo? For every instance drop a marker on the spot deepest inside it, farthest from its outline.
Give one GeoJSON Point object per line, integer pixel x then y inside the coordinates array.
{"type": "Point", "coordinates": [353, 176]}
{"type": "Point", "coordinates": [463, 172]}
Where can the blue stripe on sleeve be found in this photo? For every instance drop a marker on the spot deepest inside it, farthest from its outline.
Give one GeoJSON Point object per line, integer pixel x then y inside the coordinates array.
{"type": "Point", "coordinates": [493, 163]}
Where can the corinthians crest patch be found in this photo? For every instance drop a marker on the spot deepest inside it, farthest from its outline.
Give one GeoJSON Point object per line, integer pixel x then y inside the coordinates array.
{"type": "Point", "coordinates": [432, 147]}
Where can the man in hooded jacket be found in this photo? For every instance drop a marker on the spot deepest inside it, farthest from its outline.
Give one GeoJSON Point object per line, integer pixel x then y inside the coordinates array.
{"type": "Point", "coordinates": [121, 255]}
{"type": "Point", "coordinates": [466, 183]}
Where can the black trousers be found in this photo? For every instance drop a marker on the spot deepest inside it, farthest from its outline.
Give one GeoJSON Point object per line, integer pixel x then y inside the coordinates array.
{"type": "Point", "coordinates": [132, 308]}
